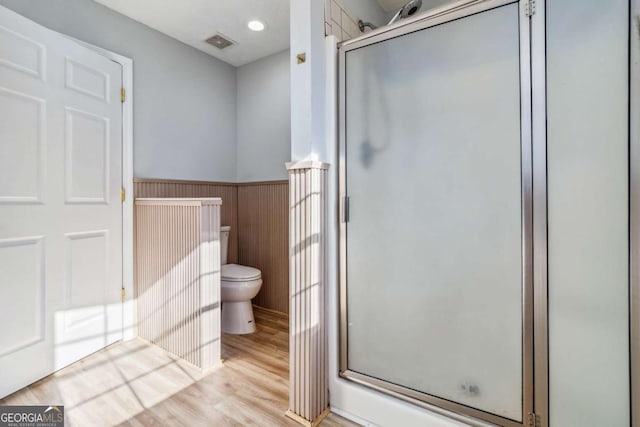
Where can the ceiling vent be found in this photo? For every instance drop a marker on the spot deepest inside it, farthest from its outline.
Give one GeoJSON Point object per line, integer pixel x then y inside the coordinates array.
{"type": "Point", "coordinates": [220, 41]}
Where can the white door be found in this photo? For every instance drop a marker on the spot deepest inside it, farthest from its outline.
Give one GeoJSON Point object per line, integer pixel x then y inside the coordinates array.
{"type": "Point", "coordinates": [60, 207]}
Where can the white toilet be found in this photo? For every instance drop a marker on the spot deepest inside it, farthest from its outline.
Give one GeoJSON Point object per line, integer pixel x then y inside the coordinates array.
{"type": "Point", "coordinates": [239, 284]}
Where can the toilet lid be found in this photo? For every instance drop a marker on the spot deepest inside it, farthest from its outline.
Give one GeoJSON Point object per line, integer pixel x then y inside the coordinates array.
{"type": "Point", "coordinates": [239, 273]}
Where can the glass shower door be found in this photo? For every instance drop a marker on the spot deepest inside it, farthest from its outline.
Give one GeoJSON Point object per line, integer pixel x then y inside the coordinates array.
{"type": "Point", "coordinates": [434, 258]}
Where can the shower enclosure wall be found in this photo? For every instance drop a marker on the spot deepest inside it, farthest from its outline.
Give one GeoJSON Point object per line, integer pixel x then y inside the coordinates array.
{"type": "Point", "coordinates": [445, 232]}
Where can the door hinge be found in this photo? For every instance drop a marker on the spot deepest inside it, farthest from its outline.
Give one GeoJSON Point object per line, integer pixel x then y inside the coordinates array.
{"type": "Point", "coordinates": [123, 95]}
{"type": "Point", "coordinates": [123, 194]}
{"type": "Point", "coordinates": [123, 294]}
{"type": "Point", "coordinates": [344, 217]}
{"type": "Point", "coordinates": [529, 8]}
{"type": "Point", "coordinates": [532, 420]}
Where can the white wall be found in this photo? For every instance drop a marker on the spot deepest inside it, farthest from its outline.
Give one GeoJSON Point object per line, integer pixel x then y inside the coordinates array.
{"type": "Point", "coordinates": [307, 81]}
{"type": "Point", "coordinates": [185, 100]}
{"type": "Point", "coordinates": [430, 4]}
{"type": "Point", "coordinates": [367, 10]}
{"type": "Point", "coordinates": [264, 119]}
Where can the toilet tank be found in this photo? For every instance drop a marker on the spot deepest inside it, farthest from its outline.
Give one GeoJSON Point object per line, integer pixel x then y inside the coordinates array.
{"type": "Point", "coordinates": [224, 243]}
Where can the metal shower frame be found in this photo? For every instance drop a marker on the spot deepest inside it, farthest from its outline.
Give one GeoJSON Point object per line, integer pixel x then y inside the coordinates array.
{"type": "Point", "coordinates": [534, 216]}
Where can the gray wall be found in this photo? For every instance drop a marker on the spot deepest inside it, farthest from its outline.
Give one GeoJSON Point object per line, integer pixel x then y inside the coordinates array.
{"type": "Point", "coordinates": [185, 100]}
{"type": "Point", "coordinates": [264, 118]}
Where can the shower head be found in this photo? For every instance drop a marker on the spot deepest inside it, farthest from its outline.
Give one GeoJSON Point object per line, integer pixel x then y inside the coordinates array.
{"type": "Point", "coordinates": [409, 9]}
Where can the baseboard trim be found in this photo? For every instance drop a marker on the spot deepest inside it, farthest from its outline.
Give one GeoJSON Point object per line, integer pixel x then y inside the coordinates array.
{"type": "Point", "coordinates": [349, 416]}
{"type": "Point", "coordinates": [271, 311]}
{"type": "Point", "coordinates": [300, 420]}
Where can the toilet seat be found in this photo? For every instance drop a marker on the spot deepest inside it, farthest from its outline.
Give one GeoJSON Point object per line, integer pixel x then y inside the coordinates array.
{"type": "Point", "coordinates": [239, 273]}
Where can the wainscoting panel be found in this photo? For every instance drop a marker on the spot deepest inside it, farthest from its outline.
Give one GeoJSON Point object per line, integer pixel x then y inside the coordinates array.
{"type": "Point", "coordinates": [259, 218]}
{"type": "Point", "coordinates": [263, 239]}
{"type": "Point", "coordinates": [228, 192]}
{"type": "Point", "coordinates": [178, 276]}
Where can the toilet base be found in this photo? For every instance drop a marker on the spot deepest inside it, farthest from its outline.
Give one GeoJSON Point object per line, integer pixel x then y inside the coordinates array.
{"type": "Point", "coordinates": [237, 318]}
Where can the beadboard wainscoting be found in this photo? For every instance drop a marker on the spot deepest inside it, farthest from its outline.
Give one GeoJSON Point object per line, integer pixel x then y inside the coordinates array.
{"type": "Point", "coordinates": [228, 192]}
{"type": "Point", "coordinates": [178, 276]}
{"type": "Point", "coordinates": [263, 239]}
{"type": "Point", "coordinates": [259, 218]}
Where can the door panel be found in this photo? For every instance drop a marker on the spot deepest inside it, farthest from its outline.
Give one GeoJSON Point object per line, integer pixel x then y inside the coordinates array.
{"type": "Point", "coordinates": [86, 157]}
{"type": "Point", "coordinates": [22, 268]}
{"type": "Point", "coordinates": [588, 181]}
{"type": "Point", "coordinates": [23, 137]}
{"type": "Point", "coordinates": [436, 179]}
{"type": "Point", "coordinates": [21, 53]}
{"type": "Point", "coordinates": [84, 79]}
{"type": "Point", "coordinates": [60, 180]}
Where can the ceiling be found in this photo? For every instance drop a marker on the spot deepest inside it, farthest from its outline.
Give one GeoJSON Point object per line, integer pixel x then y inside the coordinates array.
{"type": "Point", "coordinates": [194, 21]}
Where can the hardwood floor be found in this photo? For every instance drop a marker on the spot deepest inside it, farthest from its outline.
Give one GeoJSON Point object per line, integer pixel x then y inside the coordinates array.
{"type": "Point", "coordinates": [135, 383]}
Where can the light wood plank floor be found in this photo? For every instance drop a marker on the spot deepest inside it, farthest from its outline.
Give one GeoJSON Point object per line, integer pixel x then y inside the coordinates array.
{"type": "Point", "coordinates": [135, 383]}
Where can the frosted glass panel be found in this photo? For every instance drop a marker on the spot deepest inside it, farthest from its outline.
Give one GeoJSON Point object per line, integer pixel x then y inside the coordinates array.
{"type": "Point", "coordinates": [434, 238]}
{"type": "Point", "coordinates": [587, 160]}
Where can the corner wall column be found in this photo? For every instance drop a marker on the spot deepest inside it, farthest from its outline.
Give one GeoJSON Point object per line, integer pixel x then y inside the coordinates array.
{"type": "Point", "coordinates": [308, 376]}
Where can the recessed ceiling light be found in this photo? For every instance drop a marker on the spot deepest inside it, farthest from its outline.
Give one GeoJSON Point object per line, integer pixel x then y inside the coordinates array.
{"type": "Point", "coordinates": [255, 25]}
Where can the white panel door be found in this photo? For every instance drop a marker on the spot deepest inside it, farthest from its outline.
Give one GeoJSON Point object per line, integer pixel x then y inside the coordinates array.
{"type": "Point", "coordinates": [60, 208]}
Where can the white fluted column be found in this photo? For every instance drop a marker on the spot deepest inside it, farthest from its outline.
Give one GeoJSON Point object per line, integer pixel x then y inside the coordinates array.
{"type": "Point", "coordinates": [308, 376]}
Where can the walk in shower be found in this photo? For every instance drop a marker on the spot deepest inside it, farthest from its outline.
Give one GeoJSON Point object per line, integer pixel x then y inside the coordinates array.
{"type": "Point", "coordinates": [484, 187]}
{"type": "Point", "coordinates": [484, 226]}
{"type": "Point", "coordinates": [437, 212]}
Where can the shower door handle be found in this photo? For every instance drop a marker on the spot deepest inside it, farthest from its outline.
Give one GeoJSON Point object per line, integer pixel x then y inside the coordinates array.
{"type": "Point", "coordinates": [344, 209]}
